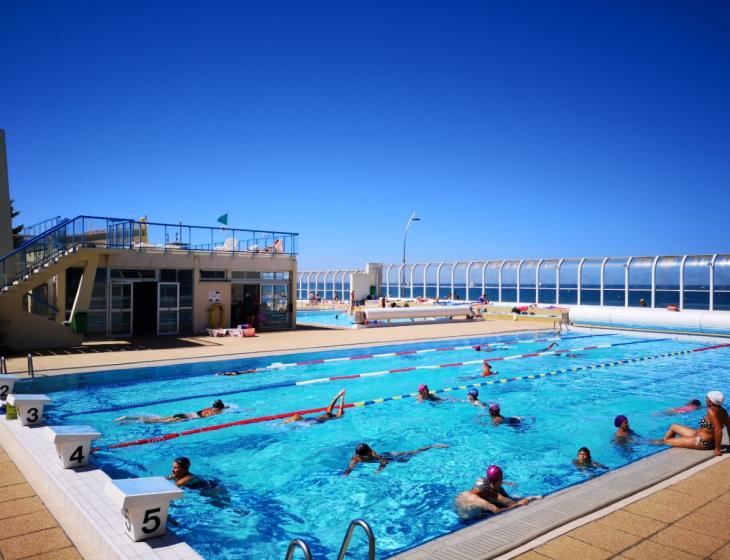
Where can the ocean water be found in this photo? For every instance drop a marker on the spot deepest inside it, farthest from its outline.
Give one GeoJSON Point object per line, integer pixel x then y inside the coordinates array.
{"type": "Point", "coordinates": [270, 483]}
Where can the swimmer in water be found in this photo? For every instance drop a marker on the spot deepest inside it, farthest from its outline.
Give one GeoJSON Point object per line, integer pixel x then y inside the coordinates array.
{"type": "Point", "coordinates": [487, 369]}
{"type": "Point", "coordinates": [691, 406]}
{"type": "Point", "coordinates": [424, 394]}
{"type": "Point", "coordinates": [242, 372]}
{"type": "Point", "coordinates": [549, 347]}
{"type": "Point", "coordinates": [485, 348]}
{"type": "Point", "coordinates": [624, 432]}
{"type": "Point", "coordinates": [216, 408]}
{"type": "Point", "coordinates": [365, 454]}
{"type": "Point", "coordinates": [472, 396]}
{"type": "Point", "coordinates": [328, 414]}
{"type": "Point", "coordinates": [585, 461]}
{"type": "Point", "coordinates": [181, 472]}
{"type": "Point", "coordinates": [497, 418]}
{"type": "Point", "coordinates": [487, 496]}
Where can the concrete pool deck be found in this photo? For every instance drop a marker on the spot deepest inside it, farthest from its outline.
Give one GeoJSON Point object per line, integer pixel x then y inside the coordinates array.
{"type": "Point", "coordinates": [662, 522]}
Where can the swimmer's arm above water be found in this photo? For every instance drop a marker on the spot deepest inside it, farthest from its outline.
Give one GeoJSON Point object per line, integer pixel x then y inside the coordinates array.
{"type": "Point", "coordinates": [353, 463]}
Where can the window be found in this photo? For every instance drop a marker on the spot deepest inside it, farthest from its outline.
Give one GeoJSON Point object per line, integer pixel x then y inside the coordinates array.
{"type": "Point", "coordinates": [245, 275]}
{"type": "Point", "coordinates": [132, 274]}
{"type": "Point", "coordinates": [212, 275]}
{"type": "Point", "coordinates": [274, 275]}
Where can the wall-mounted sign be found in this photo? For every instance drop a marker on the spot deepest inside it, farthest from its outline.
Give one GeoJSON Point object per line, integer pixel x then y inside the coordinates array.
{"type": "Point", "coordinates": [214, 296]}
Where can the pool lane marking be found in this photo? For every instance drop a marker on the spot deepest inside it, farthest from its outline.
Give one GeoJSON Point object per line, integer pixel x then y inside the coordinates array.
{"type": "Point", "coordinates": [282, 384]}
{"type": "Point", "coordinates": [275, 366]}
{"type": "Point", "coordinates": [381, 400]}
{"type": "Point", "coordinates": [278, 365]}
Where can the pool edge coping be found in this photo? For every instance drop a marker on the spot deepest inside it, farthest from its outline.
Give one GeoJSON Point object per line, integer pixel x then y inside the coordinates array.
{"type": "Point", "coordinates": [677, 465]}
{"type": "Point", "coordinates": [93, 523]}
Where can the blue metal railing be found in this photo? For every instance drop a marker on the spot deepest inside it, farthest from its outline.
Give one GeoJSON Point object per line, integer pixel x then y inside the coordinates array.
{"type": "Point", "coordinates": [119, 233]}
{"type": "Point", "coordinates": [40, 227]}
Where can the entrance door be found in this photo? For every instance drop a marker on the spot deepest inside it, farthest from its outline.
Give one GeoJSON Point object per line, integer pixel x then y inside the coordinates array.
{"type": "Point", "coordinates": [168, 310]}
{"type": "Point", "coordinates": [120, 309]}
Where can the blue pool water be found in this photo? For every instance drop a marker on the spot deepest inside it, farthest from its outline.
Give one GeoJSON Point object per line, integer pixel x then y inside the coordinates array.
{"type": "Point", "coordinates": [278, 482]}
{"type": "Point", "coordinates": [328, 318]}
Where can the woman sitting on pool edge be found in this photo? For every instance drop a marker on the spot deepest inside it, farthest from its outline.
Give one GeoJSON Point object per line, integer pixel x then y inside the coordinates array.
{"type": "Point", "coordinates": [709, 434]}
{"type": "Point", "coordinates": [328, 414]}
{"type": "Point", "coordinates": [216, 408]}
{"type": "Point", "coordinates": [365, 454]}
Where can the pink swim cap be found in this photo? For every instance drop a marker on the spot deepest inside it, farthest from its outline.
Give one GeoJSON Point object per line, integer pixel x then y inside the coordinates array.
{"type": "Point", "coordinates": [421, 387]}
{"type": "Point", "coordinates": [494, 473]}
{"type": "Point", "coordinates": [494, 407]}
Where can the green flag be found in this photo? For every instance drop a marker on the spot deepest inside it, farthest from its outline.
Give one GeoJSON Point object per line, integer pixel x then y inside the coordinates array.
{"type": "Point", "coordinates": [223, 219]}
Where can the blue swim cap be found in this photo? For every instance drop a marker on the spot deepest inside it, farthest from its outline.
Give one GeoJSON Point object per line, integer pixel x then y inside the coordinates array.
{"type": "Point", "coordinates": [473, 392]}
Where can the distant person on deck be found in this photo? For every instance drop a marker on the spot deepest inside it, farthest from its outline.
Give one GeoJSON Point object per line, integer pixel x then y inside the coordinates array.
{"type": "Point", "coordinates": [642, 302]}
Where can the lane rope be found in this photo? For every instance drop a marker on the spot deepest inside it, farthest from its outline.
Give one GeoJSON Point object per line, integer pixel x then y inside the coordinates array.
{"type": "Point", "coordinates": [279, 365]}
{"type": "Point", "coordinates": [282, 384]}
{"type": "Point", "coordinates": [268, 418]}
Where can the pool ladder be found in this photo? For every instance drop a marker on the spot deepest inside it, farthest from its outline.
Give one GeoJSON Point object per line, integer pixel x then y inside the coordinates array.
{"type": "Point", "coordinates": [345, 542]}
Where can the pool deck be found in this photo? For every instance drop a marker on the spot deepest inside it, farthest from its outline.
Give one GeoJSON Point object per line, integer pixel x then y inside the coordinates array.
{"type": "Point", "coordinates": [687, 516]}
{"type": "Point", "coordinates": [686, 519]}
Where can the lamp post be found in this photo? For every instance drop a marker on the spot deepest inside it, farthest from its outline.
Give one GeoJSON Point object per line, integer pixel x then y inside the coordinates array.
{"type": "Point", "coordinates": [412, 219]}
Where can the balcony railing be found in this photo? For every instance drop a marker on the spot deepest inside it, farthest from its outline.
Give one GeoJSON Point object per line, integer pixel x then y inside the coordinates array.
{"type": "Point", "coordinates": [115, 233]}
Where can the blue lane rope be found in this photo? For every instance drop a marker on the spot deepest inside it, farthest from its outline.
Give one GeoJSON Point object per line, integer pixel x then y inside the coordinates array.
{"type": "Point", "coordinates": [279, 385]}
{"type": "Point", "coordinates": [152, 379]}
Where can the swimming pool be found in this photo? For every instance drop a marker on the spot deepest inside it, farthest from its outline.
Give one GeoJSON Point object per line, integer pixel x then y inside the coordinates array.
{"type": "Point", "coordinates": [328, 318]}
{"type": "Point", "coordinates": [279, 482]}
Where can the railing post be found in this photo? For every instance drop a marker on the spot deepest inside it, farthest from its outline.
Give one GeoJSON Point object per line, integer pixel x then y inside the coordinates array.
{"type": "Point", "coordinates": [31, 370]}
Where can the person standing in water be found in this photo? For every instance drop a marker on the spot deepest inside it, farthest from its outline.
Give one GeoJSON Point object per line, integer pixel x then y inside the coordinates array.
{"type": "Point", "coordinates": [487, 496]}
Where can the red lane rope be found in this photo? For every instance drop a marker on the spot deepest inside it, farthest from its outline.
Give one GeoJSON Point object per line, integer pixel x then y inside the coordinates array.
{"type": "Point", "coordinates": [282, 415]}
{"type": "Point", "coordinates": [254, 420]}
{"type": "Point", "coordinates": [711, 347]}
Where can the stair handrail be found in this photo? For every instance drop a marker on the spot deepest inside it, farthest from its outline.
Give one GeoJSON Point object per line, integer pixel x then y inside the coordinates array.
{"type": "Point", "coordinates": [301, 544]}
{"type": "Point", "coordinates": [346, 541]}
{"type": "Point", "coordinates": [38, 237]}
{"type": "Point", "coordinates": [52, 221]}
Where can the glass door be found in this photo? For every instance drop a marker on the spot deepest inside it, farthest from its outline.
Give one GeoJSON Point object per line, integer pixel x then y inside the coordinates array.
{"type": "Point", "coordinates": [120, 309]}
{"type": "Point", "coordinates": [168, 308]}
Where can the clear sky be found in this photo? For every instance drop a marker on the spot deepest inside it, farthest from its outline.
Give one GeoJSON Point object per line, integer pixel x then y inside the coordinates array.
{"type": "Point", "coordinates": [514, 129]}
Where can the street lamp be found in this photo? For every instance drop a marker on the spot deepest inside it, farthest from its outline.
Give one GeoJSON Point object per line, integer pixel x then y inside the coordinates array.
{"type": "Point", "coordinates": [413, 218]}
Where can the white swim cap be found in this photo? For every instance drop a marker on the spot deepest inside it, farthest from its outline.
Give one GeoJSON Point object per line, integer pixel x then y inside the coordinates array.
{"type": "Point", "coordinates": [716, 397]}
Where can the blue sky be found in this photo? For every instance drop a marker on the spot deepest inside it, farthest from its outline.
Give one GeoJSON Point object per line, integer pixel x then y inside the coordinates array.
{"type": "Point", "coordinates": [514, 129]}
